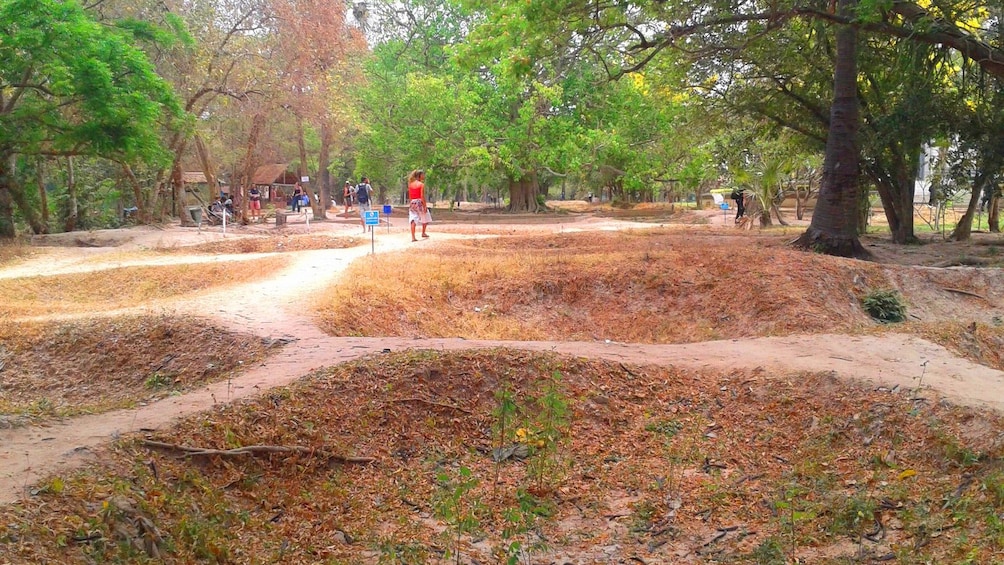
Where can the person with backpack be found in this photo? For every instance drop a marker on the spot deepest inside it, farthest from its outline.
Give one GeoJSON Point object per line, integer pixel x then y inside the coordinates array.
{"type": "Point", "coordinates": [740, 199]}
{"type": "Point", "coordinates": [364, 197]}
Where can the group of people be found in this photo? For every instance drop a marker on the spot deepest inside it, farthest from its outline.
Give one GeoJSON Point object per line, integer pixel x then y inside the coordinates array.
{"type": "Point", "coordinates": [221, 209]}
{"type": "Point", "coordinates": [418, 207]}
{"type": "Point", "coordinates": [362, 196]}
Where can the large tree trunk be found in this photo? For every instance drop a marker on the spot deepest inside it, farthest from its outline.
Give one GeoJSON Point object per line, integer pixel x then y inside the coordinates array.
{"type": "Point", "coordinates": [993, 213]}
{"type": "Point", "coordinates": [137, 192]}
{"type": "Point", "coordinates": [964, 228]}
{"type": "Point", "coordinates": [834, 226]}
{"type": "Point", "coordinates": [323, 175]}
{"type": "Point", "coordinates": [177, 181]}
{"type": "Point", "coordinates": [301, 171]}
{"type": "Point", "coordinates": [895, 194]}
{"type": "Point", "coordinates": [209, 171]}
{"type": "Point", "coordinates": [12, 191]}
{"type": "Point", "coordinates": [523, 193]}
{"type": "Point", "coordinates": [178, 196]}
{"type": "Point", "coordinates": [6, 204]}
{"type": "Point", "coordinates": [43, 199]}
{"type": "Point", "coordinates": [17, 194]}
{"type": "Point", "coordinates": [896, 189]}
{"type": "Point", "coordinates": [248, 164]}
{"type": "Point", "coordinates": [70, 223]}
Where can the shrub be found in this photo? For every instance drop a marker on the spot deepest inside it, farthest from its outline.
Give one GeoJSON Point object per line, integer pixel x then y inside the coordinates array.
{"type": "Point", "coordinates": [886, 306]}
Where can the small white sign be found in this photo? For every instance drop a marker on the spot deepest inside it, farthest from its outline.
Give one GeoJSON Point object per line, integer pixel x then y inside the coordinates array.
{"type": "Point", "coordinates": [304, 179]}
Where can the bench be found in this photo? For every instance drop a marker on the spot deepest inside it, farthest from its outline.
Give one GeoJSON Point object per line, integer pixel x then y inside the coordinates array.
{"type": "Point", "coordinates": [282, 215]}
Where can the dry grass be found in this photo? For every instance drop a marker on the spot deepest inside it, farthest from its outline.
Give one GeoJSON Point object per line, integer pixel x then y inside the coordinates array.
{"type": "Point", "coordinates": [657, 286]}
{"type": "Point", "coordinates": [124, 287]}
{"type": "Point", "coordinates": [271, 244]}
{"type": "Point", "coordinates": [12, 251]}
{"type": "Point", "coordinates": [651, 287]}
{"type": "Point", "coordinates": [65, 369]}
{"type": "Point", "coordinates": [657, 465]}
{"type": "Point", "coordinates": [980, 343]}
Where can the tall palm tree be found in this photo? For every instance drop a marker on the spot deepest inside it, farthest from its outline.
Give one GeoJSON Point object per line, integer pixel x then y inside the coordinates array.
{"type": "Point", "coordinates": [834, 226]}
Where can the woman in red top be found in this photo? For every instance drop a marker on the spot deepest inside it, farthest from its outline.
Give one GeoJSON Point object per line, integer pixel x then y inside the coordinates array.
{"type": "Point", "coordinates": [418, 208]}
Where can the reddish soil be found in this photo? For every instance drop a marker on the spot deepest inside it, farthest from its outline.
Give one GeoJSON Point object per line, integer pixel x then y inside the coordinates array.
{"type": "Point", "coordinates": [30, 453]}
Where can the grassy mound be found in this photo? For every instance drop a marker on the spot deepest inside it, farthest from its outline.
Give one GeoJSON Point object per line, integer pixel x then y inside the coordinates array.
{"type": "Point", "coordinates": [122, 287]}
{"type": "Point", "coordinates": [271, 244]}
{"type": "Point", "coordinates": [64, 369]}
{"type": "Point", "coordinates": [621, 463]}
{"type": "Point", "coordinates": [635, 287]}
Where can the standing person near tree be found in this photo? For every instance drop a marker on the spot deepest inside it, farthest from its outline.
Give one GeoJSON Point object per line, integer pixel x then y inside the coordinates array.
{"type": "Point", "coordinates": [254, 202]}
{"type": "Point", "coordinates": [297, 196]}
{"type": "Point", "coordinates": [364, 196]}
{"type": "Point", "coordinates": [347, 196]}
{"type": "Point", "coordinates": [740, 198]}
{"type": "Point", "coordinates": [418, 207]}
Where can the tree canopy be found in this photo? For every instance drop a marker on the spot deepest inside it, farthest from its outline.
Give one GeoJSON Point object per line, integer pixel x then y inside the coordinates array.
{"type": "Point", "coordinates": [523, 99]}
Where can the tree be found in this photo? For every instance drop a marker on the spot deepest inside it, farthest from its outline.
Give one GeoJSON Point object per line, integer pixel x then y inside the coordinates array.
{"type": "Point", "coordinates": [628, 36]}
{"type": "Point", "coordinates": [316, 64]}
{"type": "Point", "coordinates": [834, 226]}
{"type": "Point", "coordinates": [416, 108]}
{"type": "Point", "coordinates": [71, 86]}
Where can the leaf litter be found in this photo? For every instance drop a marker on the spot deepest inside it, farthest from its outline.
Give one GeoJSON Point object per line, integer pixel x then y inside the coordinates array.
{"type": "Point", "coordinates": [60, 369]}
{"type": "Point", "coordinates": [656, 465]}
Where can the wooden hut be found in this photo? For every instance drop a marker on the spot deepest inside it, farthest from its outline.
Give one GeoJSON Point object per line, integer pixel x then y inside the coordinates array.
{"type": "Point", "coordinates": [275, 182]}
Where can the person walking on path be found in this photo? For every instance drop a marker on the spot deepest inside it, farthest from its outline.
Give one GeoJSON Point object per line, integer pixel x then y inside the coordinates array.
{"type": "Point", "coordinates": [254, 203]}
{"type": "Point", "coordinates": [364, 196]}
{"type": "Point", "coordinates": [418, 207]}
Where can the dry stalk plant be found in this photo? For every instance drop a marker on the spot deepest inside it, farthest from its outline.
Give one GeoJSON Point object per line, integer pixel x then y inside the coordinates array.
{"type": "Point", "coordinates": [11, 252]}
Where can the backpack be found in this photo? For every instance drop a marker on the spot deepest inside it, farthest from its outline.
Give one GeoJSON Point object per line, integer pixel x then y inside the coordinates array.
{"type": "Point", "coordinates": [363, 193]}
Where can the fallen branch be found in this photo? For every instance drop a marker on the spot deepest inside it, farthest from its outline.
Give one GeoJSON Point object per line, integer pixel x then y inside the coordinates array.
{"type": "Point", "coordinates": [628, 371]}
{"type": "Point", "coordinates": [964, 262]}
{"type": "Point", "coordinates": [966, 292]}
{"type": "Point", "coordinates": [254, 450]}
{"type": "Point", "coordinates": [433, 403]}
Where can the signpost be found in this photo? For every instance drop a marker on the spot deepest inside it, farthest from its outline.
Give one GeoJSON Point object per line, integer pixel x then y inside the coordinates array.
{"type": "Point", "coordinates": [371, 218]}
{"type": "Point", "coordinates": [725, 211]}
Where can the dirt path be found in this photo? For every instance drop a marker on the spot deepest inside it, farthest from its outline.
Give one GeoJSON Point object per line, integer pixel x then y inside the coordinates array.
{"type": "Point", "coordinates": [29, 454]}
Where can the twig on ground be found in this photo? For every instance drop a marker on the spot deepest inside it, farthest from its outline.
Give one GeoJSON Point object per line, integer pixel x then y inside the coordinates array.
{"type": "Point", "coordinates": [964, 262]}
{"type": "Point", "coordinates": [254, 450]}
{"type": "Point", "coordinates": [966, 292]}
{"type": "Point", "coordinates": [433, 403]}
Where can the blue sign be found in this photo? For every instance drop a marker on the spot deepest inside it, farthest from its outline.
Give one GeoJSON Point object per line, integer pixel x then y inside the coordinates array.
{"type": "Point", "coordinates": [725, 206]}
{"type": "Point", "coordinates": [371, 218]}
{"type": "Point", "coordinates": [387, 209]}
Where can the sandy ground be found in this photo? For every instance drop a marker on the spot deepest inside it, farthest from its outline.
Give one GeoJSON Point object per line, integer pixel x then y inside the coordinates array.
{"type": "Point", "coordinates": [29, 454]}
